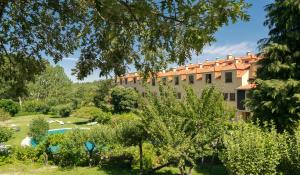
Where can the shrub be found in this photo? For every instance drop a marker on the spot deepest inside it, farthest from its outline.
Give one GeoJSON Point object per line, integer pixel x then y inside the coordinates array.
{"type": "Point", "coordinates": [249, 149]}
{"type": "Point", "coordinates": [4, 115]}
{"type": "Point", "coordinates": [9, 106]}
{"type": "Point", "coordinates": [93, 113]}
{"type": "Point", "coordinates": [38, 129]}
{"type": "Point", "coordinates": [103, 117]}
{"type": "Point", "coordinates": [290, 164]}
{"type": "Point", "coordinates": [123, 99]}
{"type": "Point", "coordinates": [72, 151]}
{"type": "Point", "coordinates": [36, 106]}
{"type": "Point", "coordinates": [25, 154]}
{"type": "Point", "coordinates": [5, 134]}
{"type": "Point", "coordinates": [62, 110]}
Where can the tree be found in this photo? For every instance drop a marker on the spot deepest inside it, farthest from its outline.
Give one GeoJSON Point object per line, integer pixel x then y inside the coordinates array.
{"type": "Point", "coordinates": [15, 72]}
{"type": "Point", "coordinates": [38, 129]}
{"type": "Point", "coordinates": [277, 93]}
{"type": "Point", "coordinates": [103, 93]}
{"type": "Point", "coordinates": [186, 130]}
{"type": "Point", "coordinates": [52, 84]}
{"type": "Point", "coordinates": [123, 99]}
{"type": "Point", "coordinates": [111, 34]}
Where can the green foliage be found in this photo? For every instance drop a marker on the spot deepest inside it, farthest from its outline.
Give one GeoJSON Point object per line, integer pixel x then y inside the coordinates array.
{"type": "Point", "coordinates": [185, 130]}
{"type": "Point", "coordinates": [123, 99]}
{"type": "Point", "coordinates": [9, 106]}
{"type": "Point", "coordinates": [5, 134]}
{"type": "Point", "coordinates": [25, 154]}
{"type": "Point", "coordinates": [38, 129]}
{"type": "Point", "coordinates": [36, 106]}
{"type": "Point", "coordinates": [16, 70]}
{"type": "Point", "coordinates": [290, 163]}
{"type": "Point", "coordinates": [4, 115]}
{"type": "Point", "coordinates": [150, 34]}
{"type": "Point", "coordinates": [63, 110]}
{"type": "Point", "coordinates": [103, 117]}
{"type": "Point", "coordinates": [249, 149]}
{"type": "Point", "coordinates": [93, 113]}
{"type": "Point", "coordinates": [130, 132]}
{"type": "Point", "coordinates": [102, 94]}
{"type": "Point", "coordinates": [277, 94]}
{"type": "Point", "coordinates": [71, 150]}
{"type": "Point", "coordinates": [52, 84]}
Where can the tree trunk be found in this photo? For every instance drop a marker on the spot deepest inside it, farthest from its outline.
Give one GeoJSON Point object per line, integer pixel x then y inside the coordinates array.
{"type": "Point", "coordinates": [190, 171]}
{"type": "Point", "coordinates": [141, 157]}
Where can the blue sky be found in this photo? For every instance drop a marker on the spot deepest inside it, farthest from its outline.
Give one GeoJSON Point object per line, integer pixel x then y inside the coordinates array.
{"type": "Point", "coordinates": [234, 39]}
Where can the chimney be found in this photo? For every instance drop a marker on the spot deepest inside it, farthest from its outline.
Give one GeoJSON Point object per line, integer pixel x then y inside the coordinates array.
{"type": "Point", "coordinates": [229, 56]}
{"type": "Point", "coordinates": [200, 66]}
{"type": "Point", "coordinates": [164, 71]}
{"type": "Point", "coordinates": [186, 67]}
{"type": "Point", "coordinates": [174, 69]}
{"type": "Point", "coordinates": [236, 60]}
{"type": "Point", "coordinates": [248, 53]}
{"type": "Point", "coordinates": [217, 63]}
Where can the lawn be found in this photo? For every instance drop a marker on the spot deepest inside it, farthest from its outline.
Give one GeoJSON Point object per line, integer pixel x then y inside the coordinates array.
{"type": "Point", "coordinates": [27, 168]}
{"type": "Point", "coordinates": [23, 122]}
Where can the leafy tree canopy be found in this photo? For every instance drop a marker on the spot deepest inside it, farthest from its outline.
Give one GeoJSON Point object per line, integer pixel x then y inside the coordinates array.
{"type": "Point", "coordinates": [277, 96]}
{"type": "Point", "coordinates": [111, 34]}
{"type": "Point", "coordinates": [185, 131]}
{"type": "Point", "coordinates": [15, 71]}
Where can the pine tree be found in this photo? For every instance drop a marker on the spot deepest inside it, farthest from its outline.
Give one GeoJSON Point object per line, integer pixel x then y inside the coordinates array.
{"type": "Point", "coordinates": [277, 94]}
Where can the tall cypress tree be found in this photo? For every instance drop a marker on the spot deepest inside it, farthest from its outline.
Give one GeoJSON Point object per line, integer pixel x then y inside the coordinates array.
{"type": "Point", "coordinates": [277, 94]}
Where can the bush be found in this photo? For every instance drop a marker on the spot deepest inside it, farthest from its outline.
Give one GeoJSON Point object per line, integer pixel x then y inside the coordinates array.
{"type": "Point", "coordinates": [249, 149]}
{"type": "Point", "coordinates": [36, 106]}
{"type": "Point", "coordinates": [5, 134]}
{"type": "Point", "coordinates": [38, 129]}
{"type": "Point", "coordinates": [93, 113]}
{"type": "Point", "coordinates": [72, 151]}
{"type": "Point", "coordinates": [123, 99]}
{"type": "Point", "coordinates": [9, 106]}
{"type": "Point", "coordinates": [290, 164]}
{"type": "Point", "coordinates": [62, 110]}
{"type": "Point", "coordinates": [25, 154]}
{"type": "Point", "coordinates": [4, 115]}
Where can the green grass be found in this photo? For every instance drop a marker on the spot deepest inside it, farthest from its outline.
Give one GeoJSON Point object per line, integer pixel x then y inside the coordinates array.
{"type": "Point", "coordinates": [27, 168]}
{"type": "Point", "coordinates": [23, 123]}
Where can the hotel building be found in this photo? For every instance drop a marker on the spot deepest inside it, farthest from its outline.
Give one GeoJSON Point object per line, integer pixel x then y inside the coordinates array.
{"type": "Point", "coordinates": [232, 76]}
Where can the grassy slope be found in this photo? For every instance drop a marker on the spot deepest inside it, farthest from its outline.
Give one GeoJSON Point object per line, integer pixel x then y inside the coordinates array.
{"type": "Point", "coordinates": [23, 123]}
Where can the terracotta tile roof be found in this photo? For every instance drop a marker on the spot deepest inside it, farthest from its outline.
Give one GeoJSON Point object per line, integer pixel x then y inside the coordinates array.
{"type": "Point", "coordinates": [238, 63]}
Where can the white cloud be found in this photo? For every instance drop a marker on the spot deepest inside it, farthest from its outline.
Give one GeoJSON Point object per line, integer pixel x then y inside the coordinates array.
{"type": "Point", "coordinates": [235, 49]}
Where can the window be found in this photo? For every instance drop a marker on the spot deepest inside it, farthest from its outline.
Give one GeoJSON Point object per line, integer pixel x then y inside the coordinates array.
{"type": "Point", "coordinates": [164, 80]}
{"type": "Point", "coordinates": [228, 77]}
{"type": "Point", "coordinates": [126, 80]}
{"type": "Point", "coordinates": [178, 95]}
{"type": "Point", "coordinates": [208, 78]}
{"type": "Point", "coordinates": [191, 79]}
{"type": "Point", "coordinates": [177, 80]}
{"type": "Point", "coordinates": [232, 97]}
{"type": "Point", "coordinates": [143, 94]}
{"type": "Point", "coordinates": [134, 80]}
{"type": "Point", "coordinates": [121, 81]}
{"type": "Point", "coordinates": [225, 96]}
{"type": "Point", "coordinates": [153, 81]}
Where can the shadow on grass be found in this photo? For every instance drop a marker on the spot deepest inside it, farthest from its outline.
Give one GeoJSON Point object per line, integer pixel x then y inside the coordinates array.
{"type": "Point", "coordinates": [211, 169]}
